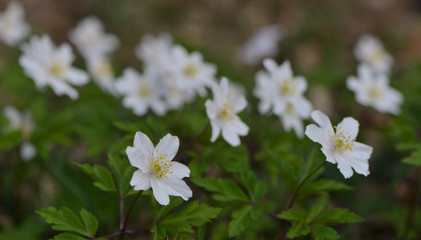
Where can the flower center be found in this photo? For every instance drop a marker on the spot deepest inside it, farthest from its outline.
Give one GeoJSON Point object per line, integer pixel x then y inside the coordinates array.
{"type": "Point", "coordinates": [226, 112]}
{"type": "Point", "coordinates": [159, 166]}
{"type": "Point", "coordinates": [287, 87]}
{"type": "Point", "coordinates": [374, 92]}
{"type": "Point", "coordinates": [342, 142]}
{"type": "Point", "coordinates": [145, 91]}
{"type": "Point", "coordinates": [377, 55]}
{"type": "Point", "coordinates": [56, 69]}
{"type": "Point", "coordinates": [290, 108]}
{"type": "Point", "coordinates": [104, 68]}
{"type": "Point", "coordinates": [191, 70]}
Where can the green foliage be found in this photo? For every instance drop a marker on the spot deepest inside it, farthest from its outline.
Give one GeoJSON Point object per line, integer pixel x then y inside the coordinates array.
{"type": "Point", "coordinates": [226, 189]}
{"type": "Point", "coordinates": [65, 220]}
{"type": "Point", "coordinates": [414, 158]}
{"type": "Point", "coordinates": [241, 219]}
{"type": "Point", "coordinates": [101, 175]}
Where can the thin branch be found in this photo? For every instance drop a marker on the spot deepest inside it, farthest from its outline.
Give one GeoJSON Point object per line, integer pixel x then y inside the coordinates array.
{"type": "Point", "coordinates": [123, 232]}
{"type": "Point", "coordinates": [413, 204]}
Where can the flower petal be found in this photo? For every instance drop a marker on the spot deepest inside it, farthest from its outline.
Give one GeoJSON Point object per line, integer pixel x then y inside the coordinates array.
{"type": "Point", "coordinates": [143, 144]}
{"type": "Point", "coordinates": [216, 129]}
{"type": "Point", "coordinates": [230, 136]}
{"type": "Point", "coordinates": [159, 191]}
{"type": "Point", "coordinates": [141, 181]}
{"type": "Point", "coordinates": [168, 145]}
{"type": "Point", "coordinates": [138, 159]}
{"type": "Point", "coordinates": [344, 166]}
{"type": "Point", "coordinates": [179, 170]}
{"type": "Point", "coordinates": [177, 187]}
{"type": "Point", "coordinates": [321, 119]}
{"type": "Point", "coordinates": [317, 134]}
{"type": "Point", "coordinates": [350, 126]}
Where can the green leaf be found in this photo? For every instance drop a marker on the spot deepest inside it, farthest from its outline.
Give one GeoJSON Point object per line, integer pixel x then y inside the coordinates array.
{"type": "Point", "coordinates": [159, 232]}
{"type": "Point", "coordinates": [323, 185]}
{"type": "Point", "coordinates": [166, 209]}
{"type": "Point", "coordinates": [90, 221]}
{"type": "Point", "coordinates": [414, 158]}
{"type": "Point", "coordinates": [68, 236]}
{"type": "Point", "coordinates": [122, 172]}
{"type": "Point", "coordinates": [336, 216]}
{"type": "Point", "coordinates": [101, 175]}
{"type": "Point", "coordinates": [240, 220]}
{"type": "Point", "coordinates": [63, 220]}
{"type": "Point", "coordinates": [193, 214]}
{"type": "Point", "coordinates": [225, 188]}
{"type": "Point", "coordinates": [293, 215]}
{"type": "Point", "coordinates": [298, 229]}
{"type": "Point", "coordinates": [315, 210]}
{"type": "Point", "coordinates": [320, 232]}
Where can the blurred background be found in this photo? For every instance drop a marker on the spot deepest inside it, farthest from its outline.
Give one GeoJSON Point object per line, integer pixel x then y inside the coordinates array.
{"type": "Point", "coordinates": [318, 38]}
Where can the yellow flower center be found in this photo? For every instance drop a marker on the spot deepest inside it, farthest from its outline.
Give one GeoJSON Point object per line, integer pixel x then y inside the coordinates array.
{"type": "Point", "coordinates": [56, 69]}
{"type": "Point", "coordinates": [191, 70]}
{"type": "Point", "coordinates": [342, 141]}
{"type": "Point", "coordinates": [290, 108]}
{"type": "Point", "coordinates": [226, 112]}
{"type": "Point", "coordinates": [145, 91]}
{"type": "Point", "coordinates": [159, 166]}
{"type": "Point", "coordinates": [377, 55]}
{"type": "Point", "coordinates": [104, 68]}
{"type": "Point", "coordinates": [374, 92]}
{"type": "Point", "coordinates": [287, 87]}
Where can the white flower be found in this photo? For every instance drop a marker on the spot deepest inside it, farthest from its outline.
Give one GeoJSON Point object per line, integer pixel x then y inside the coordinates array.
{"type": "Point", "coordinates": [373, 89]}
{"type": "Point", "coordinates": [156, 168]}
{"type": "Point", "coordinates": [190, 72]}
{"type": "Point", "coordinates": [140, 93]}
{"type": "Point", "coordinates": [263, 43]}
{"type": "Point", "coordinates": [48, 65]}
{"type": "Point", "coordinates": [292, 118]}
{"type": "Point", "coordinates": [222, 112]}
{"type": "Point", "coordinates": [90, 38]}
{"type": "Point", "coordinates": [102, 73]}
{"type": "Point", "coordinates": [369, 50]}
{"type": "Point", "coordinates": [339, 145]}
{"type": "Point", "coordinates": [154, 51]}
{"type": "Point", "coordinates": [13, 27]}
{"type": "Point", "coordinates": [22, 122]}
{"type": "Point", "coordinates": [277, 88]}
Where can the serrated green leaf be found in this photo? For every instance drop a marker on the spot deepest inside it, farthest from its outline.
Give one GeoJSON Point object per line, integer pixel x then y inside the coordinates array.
{"type": "Point", "coordinates": [226, 189]}
{"type": "Point", "coordinates": [323, 185]}
{"type": "Point", "coordinates": [90, 221]}
{"type": "Point", "coordinates": [298, 229]}
{"type": "Point", "coordinates": [102, 176]}
{"type": "Point", "coordinates": [173, 203]}
{"type": "Point", "coordinates": [68, 236]}
{"type": "Point", "coordinates": [320, 232]}
{"type": "Point", "coordinates": [260, 190]}
{"type": "Point", "coordinates": [336, 216]}
{"type": "Point", "coordinates": [293, 215]}
{"type": "Point", "coordinates": [316, 209]}
{"type": "Point", "coordinates": [159, 232]}
{"type": "Point", "coordinates": [63, 220]}
{"type": "Point", "coordinates": [121, 171]}
{"type": "Point", "coordinates": [240, 220]}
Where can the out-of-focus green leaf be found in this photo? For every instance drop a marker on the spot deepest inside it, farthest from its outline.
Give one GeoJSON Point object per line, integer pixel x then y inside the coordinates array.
{"type": "Point", "coordinates": [320, 232]}
{"type": "Point", "coordinates": [102, 176]}
{"type": "Point", "coordinates": [226, 189]}
{"type": "Point", "coordinates": [336, 216]}
{"type": "Point", "coordinates": [90, 221]}
{"type": "Point", "coordinates": [298, 229]}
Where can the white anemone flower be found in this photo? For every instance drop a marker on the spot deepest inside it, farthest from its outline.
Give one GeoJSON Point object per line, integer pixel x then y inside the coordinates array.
{"type": "Point", "coordinates": [13, 27]}
{"type": "Point", "coordinates": [154, 52]}
{"type": "Point", "coordinates": [156, 169]}
{"type": "Point", "coordinates": [90, 38]}
{"type": "Point", "coordinates": [49, 65]}
{"type": "Point", "coordinates": [222, 112]}
{"type": "Point", "coordinates": [292, 118]}
{"type": "Point", "coordinates": [277, 87]}
{"type": "Point", "coordinates": [370, 50]}
{"type": "Point", "coordinates": [24, 123]}
{"type": "Point", "coordinates": [339, 145]}
{"type": "Point", "coordinates": [263, 43]}
{"type": "Point", "coordinates": [102, 73]}
{"type": "Point", "coordinates": [190, 72]}
{"type": "Point", "coordinates": [140, 93]}
{"type": "Point", "coordinates": [373, 90]}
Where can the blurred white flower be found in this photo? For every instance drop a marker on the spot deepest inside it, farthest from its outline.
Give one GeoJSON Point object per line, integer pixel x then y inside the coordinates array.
{"type": "Point", "coordinates": [13, 27]}
{"type": "Point", "coordinates": [369, 50]}
{"type": "Point", "coordinates": [47, 64]}
{"type": "Point", "coordinates": [91, 40]}
{"type": "Point", "coordinates": [222, 112]}
{"type": "Point", "coordinates": [277, 87]}
{"type": "Point", "coordinates": [154, 51]}
{"type": "Point", "coordinates": [263, 43]}
{"type": "Point", "coordinates": [373, 90]}
{"type": "Point", "coordinates": [339, 145]}
{"type": "Point", "coordinates": [102, 73]}
{"type": "Point", "coordinates": [140, 93]}
{"type": "Point", "coordinates": [292, 118]}
{"type": "Point", "coordinates": [156, 168]}
{"type": "Point", "coordinates": [24, 123]}
{"type": "Point", "coordinates": [190, 72]}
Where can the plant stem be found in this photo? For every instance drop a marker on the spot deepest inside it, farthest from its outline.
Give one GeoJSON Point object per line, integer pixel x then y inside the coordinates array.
{"type": "Point", "coordinates": [271, 214]}
{"type": "Point", "coordinates": [413, 204]}
{"type": "Point", "coordinates": [283, 228]}
{"type": "Point", "coordinates": [122, 230]}
{"type": "Point", "coordinates": [121, 213]}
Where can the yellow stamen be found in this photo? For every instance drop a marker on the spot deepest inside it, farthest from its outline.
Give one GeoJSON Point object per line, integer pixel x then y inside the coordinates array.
{"type": "Point", "coordinates": [287, 87]}
{"type": "Point", "coordinates": [226, 112]}
{"type": "Point", "coordinates": [56, 69]}
{"type": "Point", "coordinates": [342, 141]}
{"type": "Point", "coordinates": [375, 93]}
{"type": "Point", "coordinates": [145, 91]}
{"type": "Point", "coordinates": [191, 70]}
{"type": "Point", "coordinates": [159, 166]}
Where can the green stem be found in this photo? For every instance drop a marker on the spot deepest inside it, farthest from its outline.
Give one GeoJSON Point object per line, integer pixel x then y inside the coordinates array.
{"type": "Point", "coordinates": [122, 230]}
{"type": "Point", "coordinates": [413, 204]}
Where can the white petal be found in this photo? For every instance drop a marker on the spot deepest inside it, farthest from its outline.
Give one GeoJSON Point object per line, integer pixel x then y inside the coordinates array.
{"type": "Point", "coordinates": [239, 103]}
{"type": "Point", "coordinates": [330, 155]}
{"type": "Point", "coordinates": [317, 134]}
{"type": "Point", "coordinates": [179, 170]}
{"type": "Point", "coordinates": [138, 159]}
{"type": "Point", "coordinates": [344, 166]}
{"type": "Point", "coordinates": [230, 136]}
{"type": "Point", "coordinates": [350, 126]}
{"type": "Point", "coordinates": [159, 191]}
{"type": "Point", "coordinates": [211, 109]}
{"type": "Point", "coordinates": [177, 187]}
{"type": "Point", "coordinates": [143, 144]}
{"type": "Point", "coordinates": [141, 181]}
{"type": "Point", "coordinates": [302, 106]}
{"type": "Point", "coordinates": [239, 127]}
{"type": "Point", "coordinates": [270, 65]}
{"type": "Point", "coordinates": [27, 151]}
{"type": "Point", "coordinates": [12, 115]}
{"type": "Point", "coordinates": [321, 119]}
{"type": "Point", "coordinates": [62, 88]}
{"type": "Point", "coordinates": [301, 84]}
{"type": "Point", "coordinates": [215, 131]}
{"type": "Point", "coordinates": [168, 145]}
{"type": "Point", "coordinates": [77, 77]}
